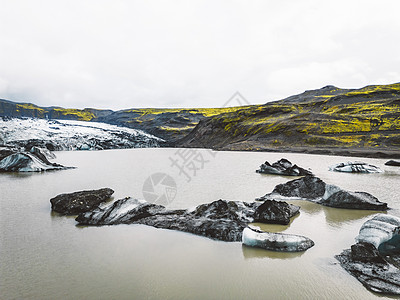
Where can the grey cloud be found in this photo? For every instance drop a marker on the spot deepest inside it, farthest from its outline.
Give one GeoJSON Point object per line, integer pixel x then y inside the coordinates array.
{"type": "Point", "coordinates": [120, 54]}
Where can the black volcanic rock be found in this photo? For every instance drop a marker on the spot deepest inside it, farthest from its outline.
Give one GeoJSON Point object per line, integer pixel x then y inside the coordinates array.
{"type": "Point", "coordinates": [309, 187]}
{"type": "Point", "coordinates": [366, 252]}
{"type": "Point", "coordinates": [314, 189]}
{"type": "Point", "coordinates": [278, 212]}
{"type": "Point", "coordinates": [378, 277]}
{"type": "Point", "coordinates": [283, 167]}
{"type": "Point", "coordinates": [79, 202]}
{"type": "Point", "coordinates": [221, 220]}
{"type": "Point", "coordinates": [394, 163]}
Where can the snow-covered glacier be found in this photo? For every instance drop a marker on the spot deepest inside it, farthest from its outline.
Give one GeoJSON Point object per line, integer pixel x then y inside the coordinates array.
{"type": "Point", "coordinates": [72, 135]}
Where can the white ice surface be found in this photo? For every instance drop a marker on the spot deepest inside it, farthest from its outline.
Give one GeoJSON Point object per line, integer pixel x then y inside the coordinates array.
{"type": "Point", "coordinates": [72, 135]}
{"type": "Point", "coordinates": [379, 229]}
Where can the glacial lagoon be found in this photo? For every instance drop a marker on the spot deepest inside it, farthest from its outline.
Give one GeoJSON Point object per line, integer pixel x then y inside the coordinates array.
{"type": "Point", "coordinates": [46, 256]}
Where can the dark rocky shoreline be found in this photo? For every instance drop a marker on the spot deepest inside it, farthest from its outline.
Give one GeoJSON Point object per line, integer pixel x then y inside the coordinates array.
{"type": "Point", "coordinates": [348, 152]}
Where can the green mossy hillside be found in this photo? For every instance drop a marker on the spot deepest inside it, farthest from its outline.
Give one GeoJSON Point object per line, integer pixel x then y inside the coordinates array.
{"type": "Point", "coordinates": [329, 117]}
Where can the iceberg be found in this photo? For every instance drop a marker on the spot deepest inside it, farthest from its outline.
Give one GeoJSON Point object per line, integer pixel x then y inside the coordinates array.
{"type": "Point", "coordinates": [283, 167]}
{"type": "Point", "coordinates": [252, 236]}
{"type": "Point", "coordinates": [313, 189]}
{"type": "Point", "coordinates": [379, 229]}
{"type": "Point", "coordinates": [27, 162]}
{"type": "Point", "coordinates": [355, 167]}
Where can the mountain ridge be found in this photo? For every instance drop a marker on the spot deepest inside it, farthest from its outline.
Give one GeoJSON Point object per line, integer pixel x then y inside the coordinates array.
{"type": "Point", "coordinates": [325, 118]}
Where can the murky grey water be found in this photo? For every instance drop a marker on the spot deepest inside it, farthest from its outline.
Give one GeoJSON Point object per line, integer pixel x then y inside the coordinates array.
{"type": "Point", "coordinates": [45, 256]}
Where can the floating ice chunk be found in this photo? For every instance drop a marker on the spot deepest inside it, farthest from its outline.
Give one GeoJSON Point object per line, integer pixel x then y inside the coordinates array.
{"type": "Point", "coordinates": [355, 167]}
{"type": "Point", "coordinates": [283, 167]}
{"type": "Point", "coordinates": [275, 241]}
{"type": "Point", "coordinates": [25, 162]}
{"type": "Point", "coordinates": [379, 229]}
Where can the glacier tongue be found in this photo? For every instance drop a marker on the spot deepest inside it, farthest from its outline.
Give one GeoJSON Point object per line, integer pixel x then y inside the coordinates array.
{"type": "Point", "coordinates": [72, 135]}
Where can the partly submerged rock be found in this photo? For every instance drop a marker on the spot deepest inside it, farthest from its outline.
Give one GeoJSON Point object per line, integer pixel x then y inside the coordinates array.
{"type": "Point", "coordinates": [394, 163]}
{"type": "Point", "coordinates": [314, 189]}
{"type": "Point", "coordinates": [353, 200]}
{"type": "Point", "coordinates": [365, 252]}
{"type": "Point", "coordinates": [283, 167]}
{"type": "Point", "coordinates": [275, 212]}
{"type": "Point", "coordinates": [79, 202]}
{"type": "Point", "coordinates": [254, 237]}
{"type": "Point", "coordinates": [376, 271]}
{"type": "Point", "coordinates": [355, 167]}
{"type": "Point", "coordinates": [222, 220]}
{"type": "Point", "coordinates": [380, 277]}
{"type": "Point", "coordinates": [308, 187]}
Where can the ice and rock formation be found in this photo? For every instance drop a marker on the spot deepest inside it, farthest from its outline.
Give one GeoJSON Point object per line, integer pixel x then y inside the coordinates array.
{"type": "Point", "coordinates": [254, 237]}
{"type": "Point", "coordinates": [282, 167]}
{"type": "Point", "coordinates": [355, 167]}
{"type": "Point", "coordinates": [314, 189]}
{"type": "Point", "coordinates": [378, 272]}
{"type": "Point", "coordinates": [37, 160]}
{"type": "Point", "coordinates": [222, 220]}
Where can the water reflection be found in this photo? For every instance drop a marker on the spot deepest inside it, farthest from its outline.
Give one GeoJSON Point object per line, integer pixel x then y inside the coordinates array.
{"type": "Point", "coordinates": [307, 206]}
{"type": "Point", "coordinates": [337, 217]}
{"type": "Point", "coordinates": [273, 227]}
{"type": "Point", "coordinates": [18, 175]}
{"type": "Point", "coordinates": [252, 252]}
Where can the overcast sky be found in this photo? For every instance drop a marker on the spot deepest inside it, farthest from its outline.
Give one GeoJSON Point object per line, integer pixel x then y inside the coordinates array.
{"type": "Point", "coordinates": [123, 54]}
